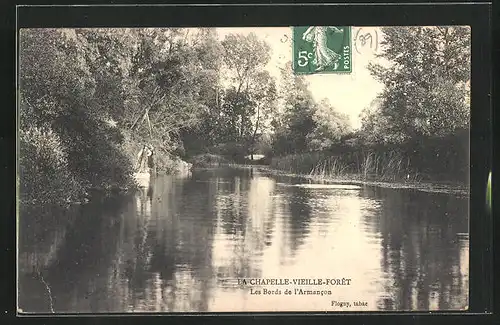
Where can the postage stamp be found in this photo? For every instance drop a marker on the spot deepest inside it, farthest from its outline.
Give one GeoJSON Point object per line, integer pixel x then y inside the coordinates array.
{"type": "Point", "coordinates": [322, 49]}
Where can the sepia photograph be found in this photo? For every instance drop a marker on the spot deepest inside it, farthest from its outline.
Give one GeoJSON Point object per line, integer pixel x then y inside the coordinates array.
{"type": "Point", "coordinates": [243, 169]}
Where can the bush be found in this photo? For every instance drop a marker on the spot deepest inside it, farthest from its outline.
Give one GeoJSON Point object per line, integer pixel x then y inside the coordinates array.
{"type": "Point", "coordinates": [233, 151]}
{"type": "Point", "coordinates": [44, 177]}
{"type": "Point", "coordinates": [96, 154]}
{"type": "Point", "coordinates": [165, 162]}
{"type": "Point", "coordinates": [208, 160]}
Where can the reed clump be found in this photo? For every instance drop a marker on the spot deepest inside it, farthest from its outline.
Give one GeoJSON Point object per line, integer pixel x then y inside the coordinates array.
{"type": "Point", "coordinates": [372, 166]}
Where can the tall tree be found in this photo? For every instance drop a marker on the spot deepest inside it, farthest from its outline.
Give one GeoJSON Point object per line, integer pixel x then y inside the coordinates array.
{"type": "Point", "coordinates": [251, 89]}
{"type": "Point", "coordinates": [164, 78]}
{"type": "Point", "coordinates": [208, 49]}
{"type": "Point", "coordinates": [294, 120]}
{"type": "Point", "coordinates": [426, 80]}
{"type": "Point", "coordinates": [374, 125]}
{"type": "Point", "coordinates": [331, 126]}
{"type": "Point", "coordinates": [263, 93]}
{"type": "Point", "coordinates": [245, 55]}
{"type": "Point", "coordinates": [159, 79]}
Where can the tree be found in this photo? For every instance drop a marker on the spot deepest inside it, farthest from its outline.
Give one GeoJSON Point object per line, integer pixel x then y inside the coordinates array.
{"type": "Point", "coordinates": [374, 125]}
{"type": "Point", "coordinates": [209, 52]}
{"type": "Point", "coordinates": [161, 80]}
{"type": "Point", "coordinates": [237, 109]}
{"type": "Point", "coordinates": [244, 56]}
{"type": "Point", "coordinates": [331, 126]}
{"type": "Point", "coordinates": [295, 117]}
{"type": "Point", "coordinates": [426, 81]}
{"type": "Point", "coordinates": [252, 90]}
{"type": "Point", "coordinates": [58, 93]}
{"type": "Point", "coordinates": [264, 94]}
{"type": "Point", "coordinates": [163, 88]}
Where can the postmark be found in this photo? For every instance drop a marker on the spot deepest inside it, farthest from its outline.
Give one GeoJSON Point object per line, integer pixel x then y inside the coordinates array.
{"type": "Point", "coordinates": [322, 49]}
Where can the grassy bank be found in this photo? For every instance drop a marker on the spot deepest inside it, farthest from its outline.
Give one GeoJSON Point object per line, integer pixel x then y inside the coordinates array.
{"type": "Point", "coordinates": [53, 172]}
{"type": "Point", "coordinates": [431, 159]}
{"type": "Point", "coordinates": [45, 177]}
{"type": "Point", "coordinates": [369, 167]}
{"type": "Point", "coordinates": [426, 186]}
{"type": "Point", "coordinates": [374, 170]}
{"type": "Point", "coordinates": [364, 166]}
{"type": "Point", "coordinates": [207, 160]}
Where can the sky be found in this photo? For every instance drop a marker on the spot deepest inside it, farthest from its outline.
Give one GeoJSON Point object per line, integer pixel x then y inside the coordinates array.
{"type": "Point", "coordinates": [348, 93]}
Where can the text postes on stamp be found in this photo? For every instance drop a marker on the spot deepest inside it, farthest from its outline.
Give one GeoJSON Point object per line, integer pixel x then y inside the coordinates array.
{"type": "Point", "coordinates": [322, 49]}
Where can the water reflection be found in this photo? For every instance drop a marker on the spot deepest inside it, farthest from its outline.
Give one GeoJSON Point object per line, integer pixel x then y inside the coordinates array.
{"type": "Point", "coordinates": [179, 244]}
{"type": "Point", "coordinates": [423, 255]}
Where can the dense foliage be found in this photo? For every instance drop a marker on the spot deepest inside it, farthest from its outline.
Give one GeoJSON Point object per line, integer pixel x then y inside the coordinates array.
{"type": "Point", "coordinates": [419, 122]}
{"type": "Point", "coordinates": [426, 89]}
{"type": "Point", "coordinates": [89, 99]}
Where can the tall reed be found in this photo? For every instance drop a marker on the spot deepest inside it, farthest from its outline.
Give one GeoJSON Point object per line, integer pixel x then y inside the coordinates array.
{"type": "Point", "coordinates": [388, 166]}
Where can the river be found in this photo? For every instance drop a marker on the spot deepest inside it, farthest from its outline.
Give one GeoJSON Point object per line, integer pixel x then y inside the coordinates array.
{"type": "Point", "coordinates": [182, 244]}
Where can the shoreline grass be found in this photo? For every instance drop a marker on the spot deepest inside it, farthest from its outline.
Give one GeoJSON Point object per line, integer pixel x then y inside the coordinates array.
{"type": "Point", "coordinates": [209, 160]}
{"type": "Point", "coordinates": [390, 169]}
{"type": "Point", "coordinates": [352, 179]}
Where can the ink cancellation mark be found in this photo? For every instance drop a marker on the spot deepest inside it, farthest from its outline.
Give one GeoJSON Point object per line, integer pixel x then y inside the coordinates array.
{"type": "Point", "coordinates": [322, 49]}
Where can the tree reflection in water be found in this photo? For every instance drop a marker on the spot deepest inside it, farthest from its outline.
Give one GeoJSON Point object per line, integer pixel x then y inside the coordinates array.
{"type": "Point", "coordinates": [422, 256]}
{"type": "Point", "coordinates": [168, 247]}
{"type": "Point", "coordinates": [300, 217]}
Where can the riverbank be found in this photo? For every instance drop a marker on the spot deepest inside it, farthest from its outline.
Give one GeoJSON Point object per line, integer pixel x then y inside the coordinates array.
{"type": "Point", "coordinates": [398, 166]}
{"type": "Point", "coordinates": [431, 187]}
{"type": "Point", "coordinates": [55, 172]}
{"type": "Point", "coordinates": [331, 171]}
{"type": "Point", "coordinates": [449, 187]}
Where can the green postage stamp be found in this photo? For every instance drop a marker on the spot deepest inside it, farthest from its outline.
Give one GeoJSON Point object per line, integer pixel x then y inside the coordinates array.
{"type": "Point", "coordinates": [322, 49]}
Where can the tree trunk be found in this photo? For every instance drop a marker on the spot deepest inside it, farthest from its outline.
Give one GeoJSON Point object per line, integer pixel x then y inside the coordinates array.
{"type": "Point", "coordinates": [149, 125]}
{"type": "Point", "coordinates": [255, 132]}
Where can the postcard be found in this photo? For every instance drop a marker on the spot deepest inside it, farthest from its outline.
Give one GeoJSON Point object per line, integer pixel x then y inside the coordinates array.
{"type": "Point", "coordinates": [252, 169]}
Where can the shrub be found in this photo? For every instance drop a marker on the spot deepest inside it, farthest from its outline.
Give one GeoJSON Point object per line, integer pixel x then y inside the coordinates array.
{"type": "Point", "coordinates": [208, 160]}
{"type": "Point", "coordinates": [44, 177]}
{"type": "Point", "coordinates": [96, 154]}
{"type": "Point", "coordinates": [233, 151]}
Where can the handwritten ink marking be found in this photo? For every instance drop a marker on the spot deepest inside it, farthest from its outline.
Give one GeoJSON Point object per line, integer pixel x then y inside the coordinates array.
{"type": "Point", "coordinates": [284, 39]}
{"type": "Point", "coordinates": [356, 41]}
{"type": "Point", "coordinates": [364, 39]}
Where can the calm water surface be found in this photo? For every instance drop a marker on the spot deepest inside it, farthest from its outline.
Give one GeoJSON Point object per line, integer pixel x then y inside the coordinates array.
{"type": "Point", "coordinates": [180, 245]}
